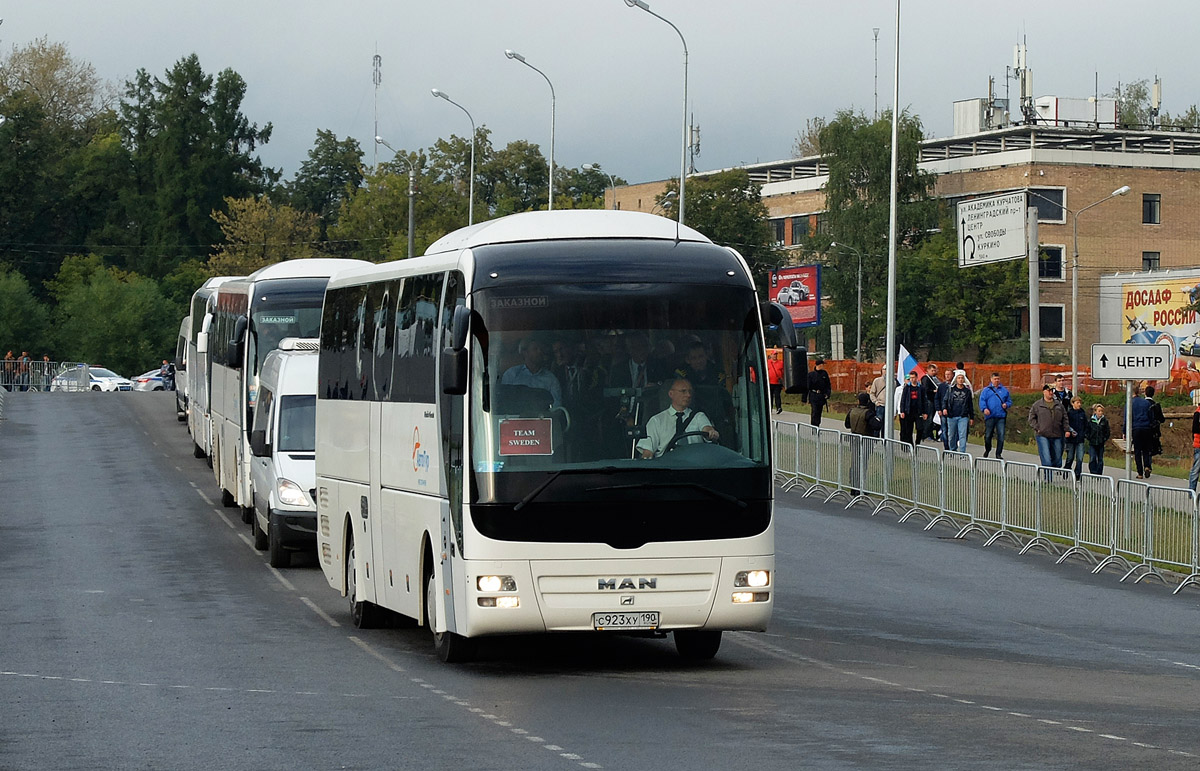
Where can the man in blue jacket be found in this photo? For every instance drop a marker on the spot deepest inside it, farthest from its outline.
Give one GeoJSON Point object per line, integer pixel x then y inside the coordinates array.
{"type": "Point", "coordinates": [994, 403]}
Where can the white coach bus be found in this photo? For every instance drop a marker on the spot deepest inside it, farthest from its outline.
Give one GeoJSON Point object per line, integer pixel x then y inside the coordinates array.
{"type": "Point", "coordinates": [482, 434]}
{"type": "Point", "coordinates": [198, 369]}
{"type": "Point", "coordinates": [252, 315]}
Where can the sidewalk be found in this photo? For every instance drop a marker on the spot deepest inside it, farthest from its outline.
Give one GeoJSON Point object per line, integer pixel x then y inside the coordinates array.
{"type": "Point", "coordinates": [1114, 460]}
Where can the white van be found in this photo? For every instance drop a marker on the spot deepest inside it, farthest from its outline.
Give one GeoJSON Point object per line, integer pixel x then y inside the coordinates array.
{"type": "Point", "coordinates": [283, 471]}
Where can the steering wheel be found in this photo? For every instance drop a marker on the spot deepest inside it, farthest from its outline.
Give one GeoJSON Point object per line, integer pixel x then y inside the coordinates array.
{"type": "Point", "coordinates": [675, 439]}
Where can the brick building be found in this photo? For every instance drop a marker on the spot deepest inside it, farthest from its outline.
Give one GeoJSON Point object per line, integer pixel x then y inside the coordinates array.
{"type": "Point", "coordinates": [1154, 227]}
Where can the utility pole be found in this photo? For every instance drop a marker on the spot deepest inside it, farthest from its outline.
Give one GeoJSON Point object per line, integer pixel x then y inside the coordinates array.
{"type": "Point", "coordinates": [377, 78]}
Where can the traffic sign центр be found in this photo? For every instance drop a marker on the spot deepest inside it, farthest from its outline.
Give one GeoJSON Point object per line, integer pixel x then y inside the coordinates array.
{"type": "Point", "coordinates": [1131, 362]}
{"type": "Point", "coordinates": [991, 229]}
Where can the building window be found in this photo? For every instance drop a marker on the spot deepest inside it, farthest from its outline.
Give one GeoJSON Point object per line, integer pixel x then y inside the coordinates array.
{"type": "Point", "coordinates": [1050, 203]}
{"type": "Point", "coordinates": [1151, 209]}
{"type": "Point", "coordinates": [799, 229]}
{"type": "Point", "coordinates": [822, 224]}
{"type": "Point", "coordinates": [779, 228]}
{"type": "Point", "coordinates": [1050, 317]}
{"type": "Point", "coordinates": [1050, 263]}
{"type": "Point", "coordinates": [1150, 260]}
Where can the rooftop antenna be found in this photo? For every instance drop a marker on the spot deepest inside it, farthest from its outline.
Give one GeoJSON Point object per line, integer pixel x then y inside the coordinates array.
{"type": "Point", "coordinates": [875, 31]}
{"type": "Point", "coordinates": [1155, 101]}
{"type": "Point", "coordinates": [693, 144]}
{"type": "Point", "coordinates": [376, 78]}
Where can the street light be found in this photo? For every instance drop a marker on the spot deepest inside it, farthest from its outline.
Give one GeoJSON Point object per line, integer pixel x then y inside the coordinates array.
{"type": "Point", "coordinates": [858, 332]}
{"type": "Point", "coordinates": [686, 138]}
{"type": "Point", "coordinates": [511, 54]}
{"type": "Point", "coordinates": [1122, 190]}
{"type": "Point", "coordinates": [412, 190]}
{"type": "Point", "coordinates": [612, 182]}
{"type": "Point", "coordinates": [471, 183]}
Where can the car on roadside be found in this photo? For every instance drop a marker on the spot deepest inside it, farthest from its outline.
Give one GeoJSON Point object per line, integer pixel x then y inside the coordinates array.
{"type": "Point", "coordinates": [148, 381]}
{"type": "Point", "coordinates": [99, 379]}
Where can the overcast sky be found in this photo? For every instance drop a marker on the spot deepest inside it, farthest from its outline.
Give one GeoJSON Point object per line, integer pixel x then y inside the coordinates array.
{"type": "Point", "coordinates": [758, 68]}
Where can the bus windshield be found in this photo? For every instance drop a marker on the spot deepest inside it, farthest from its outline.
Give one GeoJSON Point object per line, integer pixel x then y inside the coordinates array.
{"type": "Point", "coordinates": [648, 378]}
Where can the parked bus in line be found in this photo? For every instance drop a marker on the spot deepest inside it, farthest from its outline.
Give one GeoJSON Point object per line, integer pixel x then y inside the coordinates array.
{"type": "Point", "coordinates": [199, 373]}
{"type": "Point", "coordinates": [488, 459]}
{"type": "Point", "coordinates": [252, 315]}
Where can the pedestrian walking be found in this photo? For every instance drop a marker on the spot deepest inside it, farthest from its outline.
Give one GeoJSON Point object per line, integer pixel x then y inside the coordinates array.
{"type": "Point", "coordinates": [9, 373]}
{"type": "Point", "coordinates": [1097, 437]}
{"type": "Point", "coordinates": [913, 408]}
{"type": "Point", "coordinates": [929, 428]}
{"type": "Point", "coordinates": [1048, 420]}
{"type": "Point", "coordinates": [862, 421]}
{"type": "Point", "coordinates": [1061, 392]}
{"type": "Point", "coordinates": [1194, 475]}
{"type": "Point", "coordinates": [775, 377]}
{"type": "Point", "coordinates": [819, 390]}
{"type": "Point", "coordinates": [994, 402]}
{"type": "Point", "coordinates": [958, 413]}
{"type": "Point", "coordinates": [23, 370]}
{"type": "Point", "coordinates": [878, 393]}
{"type": "Point", "coordinates": [1074, 441]}
{"type": "Point", "coordinates": [1146, 415]}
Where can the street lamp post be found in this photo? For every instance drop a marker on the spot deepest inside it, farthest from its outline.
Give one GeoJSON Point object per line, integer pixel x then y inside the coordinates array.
{"type": "Point", "coordinates": [511, 54]}
{"type": "Point", "coordinates": [686, 138]}
{"type": "Point", "coordinates": [858, 330]}
{"type": "Point", "coordinates": [1122, 190]}
{"type": "Point", "coordinates": [471, 183]}
{"type": "Point", "coordinates": [611, 182]}
{"type": "Point", "coordinates": [412, 191]}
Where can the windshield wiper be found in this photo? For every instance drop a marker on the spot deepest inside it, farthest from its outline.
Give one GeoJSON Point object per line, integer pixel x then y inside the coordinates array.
{"type": "Point", "coordinates": [693, 485]}
{"type": "Point", "coordinates": [535, 492]}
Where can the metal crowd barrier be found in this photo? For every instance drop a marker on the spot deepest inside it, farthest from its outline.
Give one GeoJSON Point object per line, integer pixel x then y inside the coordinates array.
{"type": "Point", "coordinates": [44, 376]}
{"type": "Point", "coordinates": [1139, 528]}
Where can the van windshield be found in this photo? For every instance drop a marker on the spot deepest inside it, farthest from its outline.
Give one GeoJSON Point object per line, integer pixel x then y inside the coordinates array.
{"type": "Point", "coordinates": [297, 423]}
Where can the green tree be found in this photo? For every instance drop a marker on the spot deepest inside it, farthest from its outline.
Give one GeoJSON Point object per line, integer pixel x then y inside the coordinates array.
{"type": "Point", "coordinates": [727, 207]}
{"type": "Point", "coordinates": [1135, 108]}
{"type": "Point", "coordinates": [515, 179]}
{"type": "Point", "coordinates": [326, 178]}
{"type": "Point", "coordinates": [111, 317]}
{"type": "Point", "coordinates": [24, 320]}
{"type": "Point", "coordinates": [579, 188]}
{"type": "Point", "coordinates": [68, 89]}
{"type": "Point", "coordinates": [258, 233]}
{"type": "Point", "coordinates": [31, 188]}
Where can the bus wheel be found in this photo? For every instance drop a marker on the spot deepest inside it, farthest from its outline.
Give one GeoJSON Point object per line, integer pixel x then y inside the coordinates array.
{"type": "Point", "coordinates": [197, 451]}
{"type": "Point", "coordinates": [227, 499]}
{"type": "Point", "coordinates": [247, 514]}
{"type": "Point", "coordinates": [260, 538]}
{"type": "Point", "coordinates": [450, 647]}
{"type": "Point", "coordinates": [696, 644]}
{"type": "Point", "coordinates": [365, 615]}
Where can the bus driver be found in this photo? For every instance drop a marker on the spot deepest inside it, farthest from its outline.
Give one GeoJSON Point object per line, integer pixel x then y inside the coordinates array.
{"type": "Point", "coordinates": [674, 421]}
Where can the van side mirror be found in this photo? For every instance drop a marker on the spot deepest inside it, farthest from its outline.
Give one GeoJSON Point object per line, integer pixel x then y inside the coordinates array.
{"type": "Point", "coordinates": [258, 444]}
{"type": "Point", "coordinates": [795, 370]}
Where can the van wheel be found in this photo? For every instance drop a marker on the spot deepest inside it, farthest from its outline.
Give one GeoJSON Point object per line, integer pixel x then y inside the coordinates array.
{"type": "Point", "coordinates": [260, 538]}
{"type": "Point", "coordinates": [277, 556]}
{"type": "Point", "coordinates": [365, 615]}
{"type": "Point", "coordinates": [248, 514]}
{"type": "Point", "coordinates": [227, 499]}
{"type": "Point", "coordinates": [450, 647]}
{"type": "Point", "coordinates": [697, 644]}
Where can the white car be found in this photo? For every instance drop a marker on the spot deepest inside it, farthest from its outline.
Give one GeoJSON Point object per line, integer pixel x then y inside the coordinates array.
{"type": "Point", "coordinates": [148, 381]}
{"type": "Point", "coordinates": [797, 292]}
{"type": "Point", "coordinates": [101, 379]}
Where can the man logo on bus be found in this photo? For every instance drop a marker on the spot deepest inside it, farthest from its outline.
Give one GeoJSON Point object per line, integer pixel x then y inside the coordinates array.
{"type": "Point", "coordinates": [420, 457]}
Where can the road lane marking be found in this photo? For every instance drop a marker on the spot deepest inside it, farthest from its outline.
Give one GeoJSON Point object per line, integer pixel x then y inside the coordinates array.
{"type": "Point", "coordinates": [322, 614]}
{"type": "Point", "coordinates": [204, 497]}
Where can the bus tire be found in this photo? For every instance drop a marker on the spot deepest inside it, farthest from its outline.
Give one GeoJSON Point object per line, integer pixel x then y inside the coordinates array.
{"type": "Point", "coordinates": [364, 615]}
{"type": "Point", "coordinates": [197, 451]}
{"type": "Point", "coordinates": [277, 556]}
{"type": "Point", "coordinates": [450, 647]}
{"type": "Point", "coordinates": [227, 499]}
{"type": "Point", "coordinates": [247, 514]}
{"type": "Point", "coordinates": [697, 644]}
{"type": "Point", "coordinates": [260, 538]}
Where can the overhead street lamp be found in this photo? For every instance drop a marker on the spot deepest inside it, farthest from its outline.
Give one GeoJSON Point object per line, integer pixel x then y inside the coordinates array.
{"type": "Point", "coordinates": [511, 54]}
{"type": "Point", "coordinates": [858, 332]}
{"type": "Point", "coordinates": [412, 190]}
{"type": "Point", "coordinates": [1123, 190]}
{"type": "Point", "coordinates": [611, 182]}
{"type": "Point", "coordinates": [471, 183]}
{"type": "Point", "coordinates": [686, 138]}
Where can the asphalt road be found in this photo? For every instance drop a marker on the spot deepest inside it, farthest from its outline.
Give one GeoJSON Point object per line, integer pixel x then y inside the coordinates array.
{"type": "Point", "coordinates": [139, 629]}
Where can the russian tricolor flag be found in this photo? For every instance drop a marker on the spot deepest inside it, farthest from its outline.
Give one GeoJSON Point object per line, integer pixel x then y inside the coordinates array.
{"type": "Point", "coordinates": [905, 363]}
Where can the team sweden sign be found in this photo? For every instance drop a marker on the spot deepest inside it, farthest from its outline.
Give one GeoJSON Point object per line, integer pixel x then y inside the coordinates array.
{"type": "Point", "coordinates": [991, 229]}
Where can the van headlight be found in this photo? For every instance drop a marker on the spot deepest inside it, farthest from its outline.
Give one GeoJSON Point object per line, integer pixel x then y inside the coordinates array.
{"type": "Point", "coordinates": [291, 494]}
{"type": "Point", "coordinates": [496, 584]}
{"type": "Point", "coordinates": [754, 578]}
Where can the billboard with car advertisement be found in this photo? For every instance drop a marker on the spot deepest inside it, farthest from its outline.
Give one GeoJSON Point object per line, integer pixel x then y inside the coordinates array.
{"type": "Point", "coordinates": [1152, 307]}
{"type": "Point", "coordinates": [798, 288]}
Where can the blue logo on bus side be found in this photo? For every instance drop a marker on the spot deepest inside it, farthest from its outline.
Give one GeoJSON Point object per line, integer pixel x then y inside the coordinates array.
{"type": "Point", "coordinates": [420, 457]}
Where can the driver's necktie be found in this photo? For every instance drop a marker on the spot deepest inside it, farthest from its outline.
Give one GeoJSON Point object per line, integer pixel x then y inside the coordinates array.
{"type": "Point", "coordinates": [678, 423]}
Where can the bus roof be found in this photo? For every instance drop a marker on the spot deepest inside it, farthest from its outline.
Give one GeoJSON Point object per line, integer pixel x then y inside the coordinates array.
{"type": "Point", "coordinates": [314, 267]}
{"type": "Point", "coordinates": [565, 224]}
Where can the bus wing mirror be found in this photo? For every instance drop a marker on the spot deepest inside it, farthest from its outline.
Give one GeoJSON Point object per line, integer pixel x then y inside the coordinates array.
{"type": "Point", "coordinates": [454, 371]}
{"type": "Point", "coordinates": [462, 326]}
{"type": "Point", "coordinates": [795, 370]}
{"type": "Point", "coordinates": [775, 315]}
{"type": "Point", "coordinates": [201, 342]}
{"type": "Point", "coordinates": [258, 444]}
{"type": "Point", "coordinates": [237, 346]}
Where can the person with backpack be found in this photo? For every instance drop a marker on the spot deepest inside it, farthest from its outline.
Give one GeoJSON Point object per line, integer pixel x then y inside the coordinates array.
{"type": "Point", "coordinates": [994, 402]}
{"type": "Point", "coordinates": [862, 420]}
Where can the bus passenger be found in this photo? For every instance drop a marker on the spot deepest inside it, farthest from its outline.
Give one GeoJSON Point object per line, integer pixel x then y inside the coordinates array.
{"type": "Point", "coordinates": [676, 420]}
{"type": "Point", "coordinates": [533, 373]}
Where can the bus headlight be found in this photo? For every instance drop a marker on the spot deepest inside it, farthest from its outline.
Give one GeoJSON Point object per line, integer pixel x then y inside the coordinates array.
{"type": "Point", "coordinates": [290, 494]}
{"type": "Point", "coordinates": [754, 578]}
{"type": "Point", "coordinates": [496, 584]}
{"type": "Point", "coordinates": [744, 597]}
